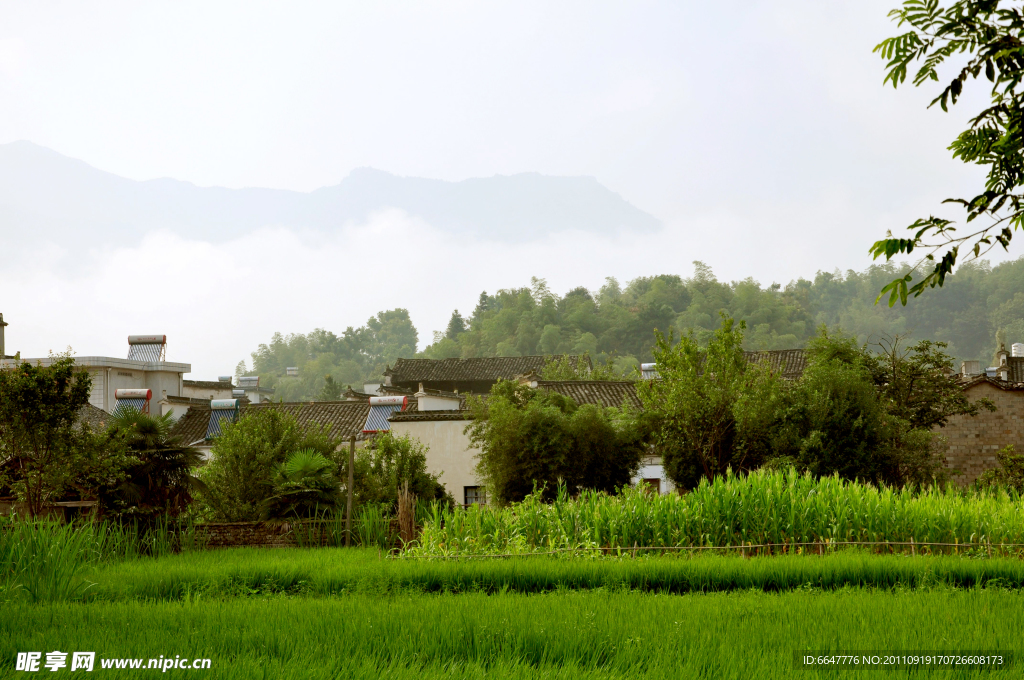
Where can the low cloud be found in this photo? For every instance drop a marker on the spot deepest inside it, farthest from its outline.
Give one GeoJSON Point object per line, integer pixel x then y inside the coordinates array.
{"type": "Point", "coordinates": [217, 302]}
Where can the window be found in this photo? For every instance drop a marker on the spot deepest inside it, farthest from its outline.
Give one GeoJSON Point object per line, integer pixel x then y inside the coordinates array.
{"type": "Point", "coordinates": [475, 494]}
{"type": "Point", "coordinates": [652, 485]}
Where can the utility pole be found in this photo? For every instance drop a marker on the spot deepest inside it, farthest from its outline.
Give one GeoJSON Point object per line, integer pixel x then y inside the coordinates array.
{"type": "Point", "coordinates": [351, 483]}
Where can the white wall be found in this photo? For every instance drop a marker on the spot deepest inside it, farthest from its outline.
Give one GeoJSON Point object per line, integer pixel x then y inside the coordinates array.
{"type": "Point", "coordinates": [223, 392]}
{"type": "Point", "coordinates": [450, 454]}
{"type": "Point", "coordinates": [651, 468]}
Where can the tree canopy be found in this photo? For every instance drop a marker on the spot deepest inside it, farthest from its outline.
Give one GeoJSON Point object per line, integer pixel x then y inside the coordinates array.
{"type": "Point", "coordinates": [536, 440]}
{"type": "Point", "coordinates": [615, 324]}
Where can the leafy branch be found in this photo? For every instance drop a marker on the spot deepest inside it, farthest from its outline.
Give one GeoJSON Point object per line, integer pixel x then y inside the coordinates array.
{"type": "Point", "coordinates": [989, 34]}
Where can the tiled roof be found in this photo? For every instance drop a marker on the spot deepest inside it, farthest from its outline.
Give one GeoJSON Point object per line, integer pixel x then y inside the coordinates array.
{"type": "Point", "coordinates": [1008, 385]}
{"type": "Point", "coordinates": [96, 418]}
{"type": "Point", "coordinates": [187, 401]}
{"type": "Point", "coordinates": [599, 392]}
{"type": "Point", "coordinates": [790, 362]}
{"type": "Point", "coordinates": [351, 395]}
{"type": "Point", "coordinates": [451, 370]}
{"type": "Point", "coordinates": [346, 418]}
{"type": "Point", "coordinates": [410, 416]}
{"type": "Point", "coordinates": [208, 384]}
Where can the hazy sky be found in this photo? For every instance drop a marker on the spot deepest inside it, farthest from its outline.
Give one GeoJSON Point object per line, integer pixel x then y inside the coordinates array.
{"type": "Point", "coordinates": [759, 132]}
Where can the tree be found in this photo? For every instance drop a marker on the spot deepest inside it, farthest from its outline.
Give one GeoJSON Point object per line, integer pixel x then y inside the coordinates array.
{"type": "Point", "coordinates": [834, 422]}
{"type": "Point", "coordinates": [456, 325]}
{"type": "Point", "coordinates": [1010, 472]}
{"type": "Point", "coordinates": [246, 457]}
{"type": "Point", "coordinates": [865, 416]}
{"type": "Point", "coordinates": [39, 408]}
{"type": "Point", "coordinates": [711, 409]}
{"type": "Point", "coordinates": [159, 477]}
{"type": "Point", "coordinates": [392, 335]}
{"type": "Point", "coordinates": [917, 384]}
{"type": "Point", "coordinates": [985, 35]}
{"type": "Point", "coordinates": [389, 462]}
{"type": "Point", "coordinates": [578, 368]}
{"type": "Point", "coordinates": [331, 390]}
{"type": "Point", "coordinates": [532, 438]}
{"type": "Point", "coordinates": [384, 464]}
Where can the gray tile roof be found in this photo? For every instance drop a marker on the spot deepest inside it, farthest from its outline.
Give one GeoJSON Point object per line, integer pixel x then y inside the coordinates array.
{"type": "Point", "coordinates": [96, 418]}
{"type": "Point", "coordinates": [410, 371]}
{"type": "Point", "coordinates": [412, 416]}
{"type": "Point", "coordinates": [790, 362]}
{"type": "Point", "coordinates": [208, 384]}
{"type": "Point", "coordinates": [345, 418]}
{"type": "Point", "coordinates": [599, 392]}
{"type": "Point", "coordinates": [1007, 385]}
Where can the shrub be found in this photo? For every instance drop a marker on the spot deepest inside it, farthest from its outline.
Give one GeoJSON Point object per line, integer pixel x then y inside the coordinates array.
{"type": "Point", "coordinates": [305, 486]}
{"type": "Point", "coordinates": [529, 438]}
{"type": "Point", "coordinates": [240, 476]}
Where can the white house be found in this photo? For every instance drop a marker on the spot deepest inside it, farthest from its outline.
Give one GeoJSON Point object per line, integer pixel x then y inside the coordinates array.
{"type": "Point", "coordinates": [145, 368]}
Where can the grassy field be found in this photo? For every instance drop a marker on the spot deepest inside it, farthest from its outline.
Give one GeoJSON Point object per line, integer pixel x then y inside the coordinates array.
{"type": "Point", "coordinates": [598, 634]}
{"type": "Point", "coordinates": [448, 608]}
{"type": "Point", "coordinates": [336, 571]}
{"type": "Point", "coordinates": [327, 613]}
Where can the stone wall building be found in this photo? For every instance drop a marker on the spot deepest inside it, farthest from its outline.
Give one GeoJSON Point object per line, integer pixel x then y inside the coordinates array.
{"type": "Point", "coordinates": [973, 441]}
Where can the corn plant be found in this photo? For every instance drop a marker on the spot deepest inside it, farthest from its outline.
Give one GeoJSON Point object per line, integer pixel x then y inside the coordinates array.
{"type": "Point", "coordinates": [782, 508]}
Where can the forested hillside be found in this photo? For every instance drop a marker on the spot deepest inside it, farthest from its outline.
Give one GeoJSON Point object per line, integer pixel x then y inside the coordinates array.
{"type": "Point", "coordinates": [616, 323]}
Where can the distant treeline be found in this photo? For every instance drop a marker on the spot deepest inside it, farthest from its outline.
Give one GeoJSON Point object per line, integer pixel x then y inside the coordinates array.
{"type": "Point", "coordinates": [616, 323]}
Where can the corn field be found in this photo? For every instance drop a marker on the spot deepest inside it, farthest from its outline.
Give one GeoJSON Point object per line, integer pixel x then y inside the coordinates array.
{"type": "Point", "coordinates": [782, 509]}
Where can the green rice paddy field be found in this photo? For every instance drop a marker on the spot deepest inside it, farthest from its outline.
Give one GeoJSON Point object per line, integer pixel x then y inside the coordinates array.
{"type": "Point", "coordinates": [335, 613]}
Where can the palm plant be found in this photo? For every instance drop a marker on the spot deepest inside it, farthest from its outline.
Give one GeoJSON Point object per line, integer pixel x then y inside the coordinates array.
{"type": "Point", "coordinates": [305, 486]}
{"type": "Point", "coordinates": [160, 481]}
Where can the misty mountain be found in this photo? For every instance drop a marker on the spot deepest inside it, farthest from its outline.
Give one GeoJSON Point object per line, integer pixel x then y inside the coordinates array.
{"type": "Point", "coordinates": [45, 196]}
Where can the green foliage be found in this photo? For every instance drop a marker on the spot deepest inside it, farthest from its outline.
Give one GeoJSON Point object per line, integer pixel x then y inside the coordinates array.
{"type": "Point", "coordinates": [359, 355]}
{"type": "Point", "coordinates": [248, 454]}
{"type": "Point", "coordinates": [978, 37]}
{"type": "Point", "coordinates": [869, 416]}
{"type": "Point", "coordinates": [52, 561]}
{"type": "Point", "coordinates": [566, 367]}
{"type": "Point", "coordinates": [529, 438]}
{"type": "Point", "coordinates": [762, 507]}
{"type": "Point", "coordinates": [918, 384]}
{"type": "Point", "coordinates": [617, 324]}
{"type": "Point", "coordinates": [339, 574]}
{"type": "Point", "coordinates": [44, 450]}
{"type": "Point", "coordinates": [835, 417]}
{"type": "Point", "coordinates": [305, 486]}
{"type": "Point", "coordinates": [158, 478]}
{"type": "Point", "coordinates": [711, 410]}
{"type": "Point", "coordinates": [1009, 474]}
{"type": "Point", "coordinates": [387, 462]}
{"type": "Point", "coordinates": [331, 390]}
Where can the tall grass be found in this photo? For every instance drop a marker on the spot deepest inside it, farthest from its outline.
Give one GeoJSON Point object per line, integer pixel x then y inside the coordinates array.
{"type": "Point", "coordinates": [766, 507]}
{"type": "Point", "coordinates": [45, 560]}
{"type": "Point", "coordinates": [373, 526]}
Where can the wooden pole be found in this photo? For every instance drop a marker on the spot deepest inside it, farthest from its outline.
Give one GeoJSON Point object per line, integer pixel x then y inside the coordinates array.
{"type": "Point", "coordinates": [351, 483]}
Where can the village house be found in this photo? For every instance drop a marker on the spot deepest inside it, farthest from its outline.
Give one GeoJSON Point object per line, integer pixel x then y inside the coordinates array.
{"type": "Point", "coordinates": [144, 377]}
{"type": "Point", "coordinates": [202, 424]}
{"type": "Point", "coordinates": [476, 375]}
{"type": "Point", "coordinates": [972, 442]}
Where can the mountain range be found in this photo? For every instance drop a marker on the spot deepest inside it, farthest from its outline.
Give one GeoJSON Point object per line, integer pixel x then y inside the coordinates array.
{"type": "Point", "coordinates": [45, 195]}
